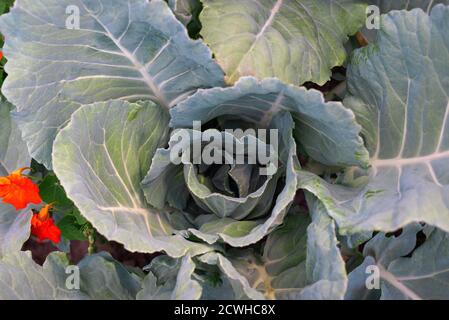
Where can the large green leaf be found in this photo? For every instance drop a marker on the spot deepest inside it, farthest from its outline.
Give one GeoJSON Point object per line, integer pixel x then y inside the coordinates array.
{"type": "Point", "coordinates": [101, 157]}
{"type": "Point", "coordinates": [325, 269]}
{"type": "Point", "coordinates": [152, 291]}
{"type": "Point", "coordinates": [294, 40]}
{"type": "Point", "coordinates": [400, 94]}
{"type": "Point", "coordinates": [242, 289]}
{"type": "Point", "coordinates": [425, 275]}
{"type": "Point", "coordinates": [171, 279]}
{"type": "Point", "coordinates": [99, 277]}
{"type": "Point", "coordinates": [404, 273]}
{"type": "Point", "coordinates": [300, 260]}
{"type": "Point", "coordinates": [386, 6]}
{"type": "Point", "coordinates": [129, 50]}
{"type": "Point", "coordinates": [380, 251]}
{"type": "Point", "coordinates": [327, 131]}
{"type": "Point", "coordinates": [103, 278]}
{"type": "Point", "coordinates": [183, 278]}
{"type": "Point", "coordinates": [22, 278]}
{"type": "Point", "coordinates": [14, 225]}
{"type": "Point", "coordinates": [186, 288]}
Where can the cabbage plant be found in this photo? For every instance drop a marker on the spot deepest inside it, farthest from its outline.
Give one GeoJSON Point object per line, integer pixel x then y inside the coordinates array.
{"type": "Point", "coordinates": [140, 109]}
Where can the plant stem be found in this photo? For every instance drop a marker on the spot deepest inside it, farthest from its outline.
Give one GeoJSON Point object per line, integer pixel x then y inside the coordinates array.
{"type": "Point", "coordinates": [90, 233]}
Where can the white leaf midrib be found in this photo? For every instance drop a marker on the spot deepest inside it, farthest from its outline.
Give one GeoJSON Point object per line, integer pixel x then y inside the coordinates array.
{"type": "Point", "coordinates": [427, 159]}
{"type": "Point", "coordinates": [424, 276]}
{"type": "Point", "coordinates": [274, 10]}
{"type": "Point", "coordinates": [409, 161]}
{"type": "Point", "coordinates": [139, 67]}
{"type": "Point", "coordinates": [392, 280]}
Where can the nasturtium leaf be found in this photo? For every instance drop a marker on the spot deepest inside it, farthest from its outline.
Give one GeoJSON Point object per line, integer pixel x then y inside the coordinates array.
{"type": "Point", "coordinates": [103, 278]}
{"type": "Point", "coordinates": [51, 191]}
{"type": "Point", "coordinates": [101, 158]}
{"type": "Point", "coordinates": [70, 229]}
{"type": "Point", "coordinates": [294, 40]}
{"type": "Point", "coordinates": [23, 279]}
{"type": "Point", "coordinates": [78, 217]}
{"type": "Point", "coordinates": [67, 216]}
{"type": "Point", "coordinates": [399, 91]}
{"type": "Point", "coordinates": [5, 5]}
{"type": "Point", "coordinates": [14, 225]}
{"type": "Point", "coordinates": [129, 50]}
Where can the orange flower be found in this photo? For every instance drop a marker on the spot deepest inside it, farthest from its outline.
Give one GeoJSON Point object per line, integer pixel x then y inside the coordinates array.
{"type": "Point", "coordinates": [1, 55]}
{"type": "Point", "coordinates": [43, 226]}
{"type": "Point", "coordinates": [18, 190]}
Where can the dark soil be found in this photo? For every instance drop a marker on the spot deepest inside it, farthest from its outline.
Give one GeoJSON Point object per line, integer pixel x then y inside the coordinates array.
{"type": "Point", "coordinates": [78, 249]}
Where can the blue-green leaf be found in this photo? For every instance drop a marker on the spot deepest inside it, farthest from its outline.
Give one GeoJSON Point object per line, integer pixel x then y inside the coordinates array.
{"type": "Point", "coordinates": [327, 130]}
{"type": "Point", "coordinates": [293, 40]}
{"type": "Point", "coordinates": [400, 94]}
{"type": "Point", "coordinates": [23, 279]}
{"type": "Point", "coordinates": [171, 279]}
{"type": "Point", "coordinates": [129, 50]}
{"type": "Point", "coordinates": [103, 278]}
{"type": "Point", "coordinates": [300, 260]}
{"type": "Point", "coordinates": [100, 159]}
{"type": "Point", "coordinates": [380, 252]}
